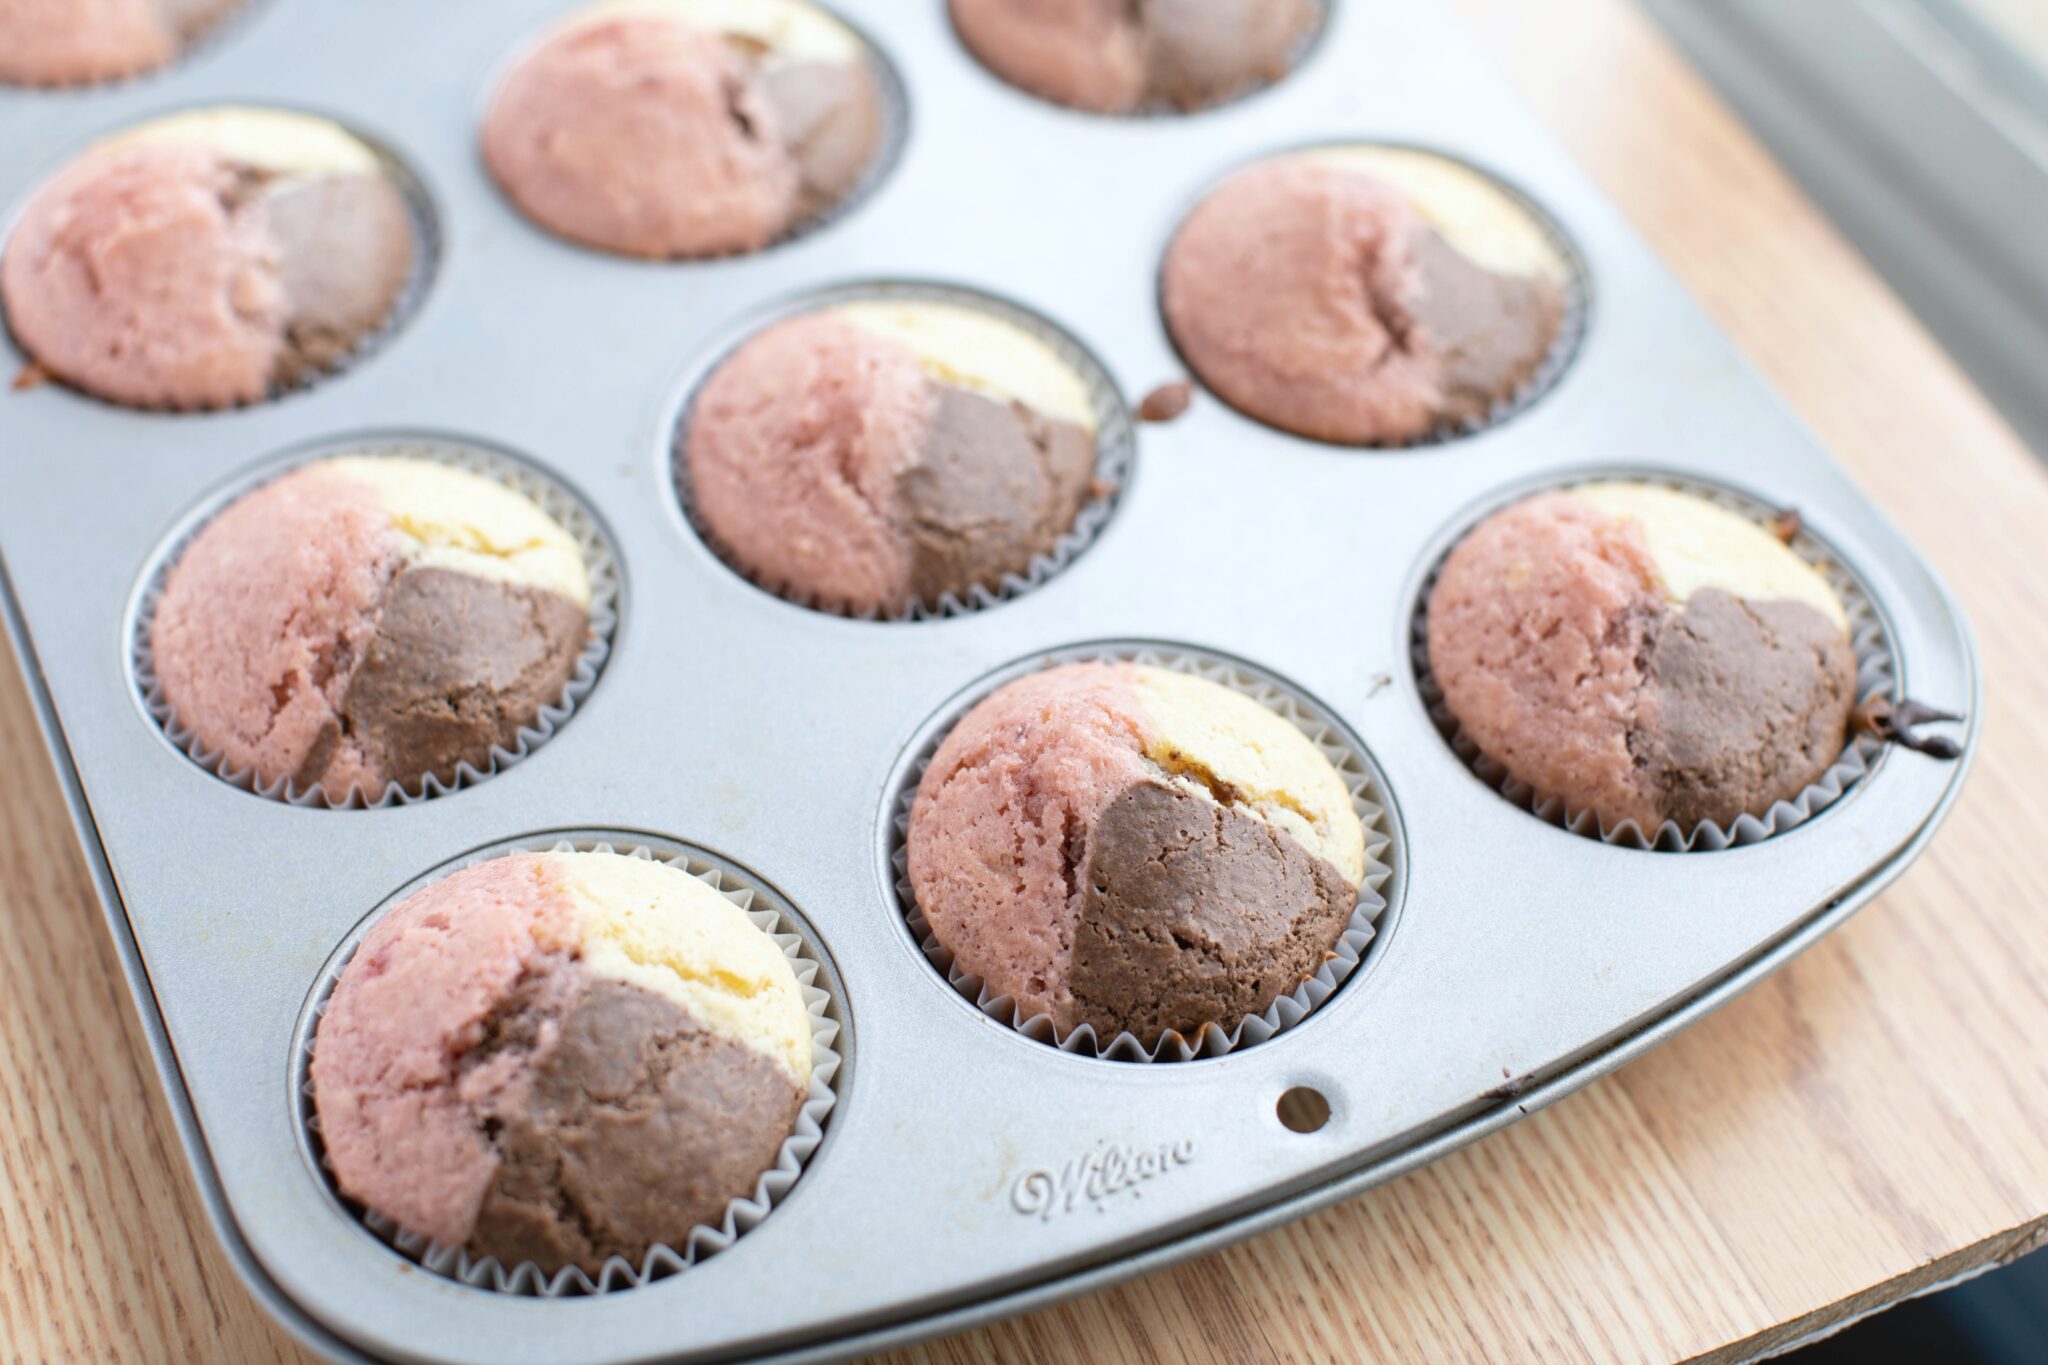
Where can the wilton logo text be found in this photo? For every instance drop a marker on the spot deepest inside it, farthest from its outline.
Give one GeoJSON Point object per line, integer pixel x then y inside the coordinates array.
{"type": "Point", "coordinates": [1095, 1177]}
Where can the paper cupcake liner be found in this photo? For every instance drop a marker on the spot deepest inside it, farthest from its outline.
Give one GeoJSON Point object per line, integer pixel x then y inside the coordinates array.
{"type": "Point", "coordinates": [426, 230]}
{"type": "Point", "coordinates": [1876, 676]}
{"type": "Point", "coordinates": [1115, 451]}
{"type": "Point", "coordinates": [1576, 287]}
{"type": "Point", "coordinates": [599, 558]}
{"type": "Point", "coordinates": [1346, 754]}
{"type": "Point", "coordinates": [770, 914]}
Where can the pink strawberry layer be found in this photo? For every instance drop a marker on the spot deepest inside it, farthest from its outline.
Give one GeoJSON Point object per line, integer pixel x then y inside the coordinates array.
{"type": "Point", "coordinates": [132, 277]}
{"type": "Point", "coordinates": [1286, 291]}
{"type": "Point", "coordinates": [644, 136]}
{"type": "Point", "coordinates": [1082, 53]}
{"type": "Point", "coordinates": [63, 42]}
{"type": "Point", "coordinates": [400, 1073]}
{"type": "Point", "coordinates": [1029, 768]}
{"type": "Point", "coordinates": [796, 446]}
{"type": "Point", "coordinates": [264, 614]}
{"type": "Point", "coordinates": [1538, 629]}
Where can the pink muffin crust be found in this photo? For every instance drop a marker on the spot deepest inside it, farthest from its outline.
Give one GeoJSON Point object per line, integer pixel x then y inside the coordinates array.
{"type": "Point", "coordinates": [133, 276]}
{"type": "Point", "coordinates": [72, 42]}
{"type": "Point", "coordinates": [396, 1103]}
{"type": "Point", "coordinates": [1548, 675]}
{"type": "Point", "coordinates": [1026, 770]}
{"type": "Point", "coordinates": [264, 613]}
{"type": "Point", "coordinates": [795, 446]}
{"type": "Point", "coordinates": [644, 135]}
{"type": "Point", "coordinates": [1284, 290]}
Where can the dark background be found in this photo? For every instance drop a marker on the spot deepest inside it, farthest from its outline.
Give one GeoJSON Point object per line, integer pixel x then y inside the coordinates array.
{"type": "Point", "coordinates": [2000, 1318]}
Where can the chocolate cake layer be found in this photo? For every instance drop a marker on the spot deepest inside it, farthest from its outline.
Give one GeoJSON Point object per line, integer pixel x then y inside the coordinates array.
{"type": "Point", "coordinates": [995, 486]}
{"type": "Point", "coordinates": [345, 250]}
{"type": "Point", "coordinates": [1491, 331]}
{"type": "Point", "coordinates": [830, 118]}
{"type": "Point", "coordinates": [1746, 705]}
{"type": "Point", "coordinates": [639, 1125]}
{"type": "Point", "coordinates": [1194, 913]}
{"type": "Point", "coordinates": [1199, 52]}
{"type": "Point", "coordinates": [457, 664]}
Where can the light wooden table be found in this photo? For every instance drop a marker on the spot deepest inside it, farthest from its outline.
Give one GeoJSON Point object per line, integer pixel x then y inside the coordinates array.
{"type": "Point", "coordinates": [1868, 1123]}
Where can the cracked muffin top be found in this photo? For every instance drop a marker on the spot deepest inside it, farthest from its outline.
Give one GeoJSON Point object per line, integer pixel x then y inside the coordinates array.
{"type": "Point", "coordinates": [881, 453]}
{"type": "Point", "coordinates": [74, 42]}
{"type": "Point", "coordinates": [686, 128]}
{"type": "Point", "coordinates": [1644, 654]}
{"type": "Point", "coordinates": [560, 1058]}
{"type": "Point", "coordinates": [1364, 295]}
{"type": "Point", "coordinates": [1134, 849]}
{"type": "Point", "coordinates": [208, 258]}
{"type": "Point", "coordinates": [366, 620]}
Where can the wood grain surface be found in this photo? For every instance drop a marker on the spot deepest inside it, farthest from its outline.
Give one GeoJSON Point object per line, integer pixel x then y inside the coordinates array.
{"type": "Point", "coordinates": [1866, 1124]}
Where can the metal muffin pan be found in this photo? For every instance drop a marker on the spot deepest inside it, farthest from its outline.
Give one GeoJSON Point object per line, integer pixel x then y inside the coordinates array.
{"type": "Point", "coordinates": [966, 1171]}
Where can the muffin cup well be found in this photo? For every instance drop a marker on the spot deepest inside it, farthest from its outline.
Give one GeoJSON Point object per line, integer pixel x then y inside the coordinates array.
{"type": "Point", "coordinates": [600, 562]}
{"type": "Point", "coordinates": [1876, 676]}
{"type": "Point", "coordinates": [1380, 889]}
{"type": "Point", "coordinates": [1115, 450]}
{"type": "Point", "coordinates": [426, 258]}
{"type": "Point", "coordinates": [769, 913]}
{"type": "Point", "coordinates": [1576, 287]}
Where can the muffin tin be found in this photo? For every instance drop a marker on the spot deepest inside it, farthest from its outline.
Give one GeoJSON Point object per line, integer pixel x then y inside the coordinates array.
{"type": "Point", "coordinates": [965, 1171]}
